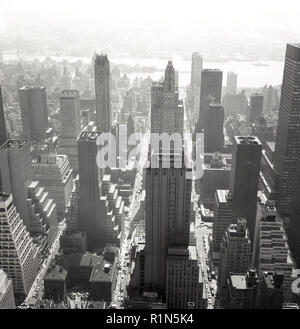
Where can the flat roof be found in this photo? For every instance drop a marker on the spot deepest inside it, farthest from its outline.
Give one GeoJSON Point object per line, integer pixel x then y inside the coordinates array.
{"type": "Point", "coordinates": [238, 281]}
{"type": "Point", "coordinates": [222, 195]}
{"type": "Point", "coordinates": [248, 140]}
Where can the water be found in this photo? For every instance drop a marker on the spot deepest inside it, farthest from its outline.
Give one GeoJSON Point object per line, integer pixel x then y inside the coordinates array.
{"type": "Point", "coordinates": [249, 75]}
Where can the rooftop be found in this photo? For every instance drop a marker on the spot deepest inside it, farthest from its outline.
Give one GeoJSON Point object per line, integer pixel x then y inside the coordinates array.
{"type": "Point", "coordinates": [15, 143]}
{"type": "Point", "coordinates": [238, 281]}
{"type": "Point", "coordinates": [222, 196]}
{"type": "Point", "coordinates": [71, 92]}
{"type": "Point", "coordinates": [88, 135]}
{"type": "Point", "coordinates": [56, 273]}
{"type": "Point", "coordinates": [248, 140]}
{"type": "Point", "coordinates": [4, 196]}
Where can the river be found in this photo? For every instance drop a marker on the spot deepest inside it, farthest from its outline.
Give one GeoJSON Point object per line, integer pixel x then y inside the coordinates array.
{"type": "Point", "coordinates": [249, 75]}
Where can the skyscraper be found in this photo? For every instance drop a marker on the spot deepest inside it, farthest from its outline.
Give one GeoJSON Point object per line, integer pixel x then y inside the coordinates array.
{"type": "Point", "coordinates": [19, 258]}
{"type": "Point", "coordinates": [16, 170]}
{"type": "Point", "coordinates": [7, 299]}
{"type": "Point", "coordinates": [271, 291]}
{"type": "Point", "coordinates": [69, 102]}
{"type": "Point", "coordinates": [294, 224]}
{"type": "Point", "coordinates": [213, 128]}
{"type": "Point", "coordinates": [231, 83]}
{"type": "Point", "coordinates": [102, 90]}
{"type": "Point", "coordinates": [166, 109]}
{"type": "Point", "coordinates": [223, 216]}
{"type": "Point", "coordinates": [270, 249]}
{"type": "Point", "coordinates": [34, 112]}
{"type": "Point", "coordinates": [242, 290]}
{"type": "Point", "coordinates": [197, 65]}
{"type": "Point", "coordinates": [31, 201]}
{"type": "Point", "coordinates": [210, 90]}
{"type": "Point", "coordinates": [71, 125]}
{"type": "Point", "coordinates": [168, 199]}
{"type": "Point", "coordinates": [3, 133]}
{"type": "Point", "coordinates": [287, 147]}
{"type": "Point", "coordinates": [256, 107]}
{"type": "Point", "coordinates": [235, 253]}
{"type": "Point", "coordinates": [89, 190]}
{"type": "Point", "coordinates": [271, 98]}
{"type": "Point", "coordinates": [244, 177]}
{"type": "Point", "coordinates": [54, 173]}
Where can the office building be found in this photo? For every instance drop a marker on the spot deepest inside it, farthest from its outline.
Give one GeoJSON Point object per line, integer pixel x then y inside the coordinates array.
{"type": "Point", "coordinates": [213, 128]}
{"type": "Point", "coordinates": [34, 112]}
{"type": "Point", "coordinates": [69, 101]}
{"type": "Point", "coordinates": [235, 253]}
{"type": "Point", "coordinates": [73, 208]}
{"type": "Point", "coordinates": [256, 107]}
{"type": "Point", "coordinates": [17, 179]}
{"type": "Point", "coordinates": [7, 299]}
{"type": "Point", "coordinates": [231, 83]}
{"type": "Point", "coordinates": [287, 147]}
{"type": "Point", "coordinates": [111, 206]}
{"type": "Point", "coordinates": [270, 250]}
{"type": "Point", "coordinates": [3, 132]}
{"type": "Point", "coordinates": [216, 174]}
{"type": "Point", "coordinates": [223, 216]}
{"type": "Point", "coordinates": [166, 109]}
{"type": "Point", "coordinates": [184, 282]}
{"type": "Point", "coordinates": [235, 104]}
{"type": "Point", "coordinates": [244, 178]}
{"type": "Point", "coordinates": [19, 257]}
{"type": "Point", "coordinates": [294, 223]}
{"type": "Point", "coordinates": [271, 99]}
{"type": "Point", "coordinates": [210, 90]}
{"type": "Point", "coordinates": [16, 170]}
{"type": "Point", "coordinates": [55, 174]}
{"type": "Point", "coordinates": [89, 190]}
{"type": "Point", "coordinates": [42, 212]}
{"type": "Point", "coordinates": [168, 200]}
{"type": "Point", "coordinates": [242, 290]}
{"type": "Point", "coordinates": [271, 291]}
{"type": "Point", "coordinates": [102, 91]}
{"type": "Point", "coordinates": [263, 130]}
{"type": "Point", "coordinates": [96, 273]}
{"type": "Point", "coordinates": [197, 66]}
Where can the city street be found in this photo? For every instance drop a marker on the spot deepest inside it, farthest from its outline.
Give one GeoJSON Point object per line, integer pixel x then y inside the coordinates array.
{"type": "Point", "coordinates": [37, 290]}
{"type": "Point", "coordinates": [124, 254]}
{"type": "Point", "coordinates": [203, 231]}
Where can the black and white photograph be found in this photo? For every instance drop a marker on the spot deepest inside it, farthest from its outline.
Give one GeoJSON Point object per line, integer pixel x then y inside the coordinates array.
{"type": "Point", "coordinates": [149, 159]}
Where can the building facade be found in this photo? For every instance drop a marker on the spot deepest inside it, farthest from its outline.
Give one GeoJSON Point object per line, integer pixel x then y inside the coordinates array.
{"type": "Point", "coordinates": [55, 174]}
{"type": "Point", "coordinates": [210, 90]}
{"type": "Point", "coordinates": [166, 109]}
{"type": "Point", "coordinates": [69, 101]}
{"type": "Point", "coordinates": [102, 91]}
{"type": "Point", "coordinates": [34, 112]}
{"type": "Point", "coordinates": [19, 257]}
{"type": "Point", "coordinates": [287, 147]}
{"type": "Point", "coordinates": [7, 299]}
{"type": "Point", "coordinates": [244, 178]}
{"type": "Point", "coordinates": [235, 253]}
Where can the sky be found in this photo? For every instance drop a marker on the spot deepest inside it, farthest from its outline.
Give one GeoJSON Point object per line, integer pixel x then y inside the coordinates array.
{"type": "Point", "coordinates": [155, 24]}
{"type": "Point", "coordinates": [185, 13]}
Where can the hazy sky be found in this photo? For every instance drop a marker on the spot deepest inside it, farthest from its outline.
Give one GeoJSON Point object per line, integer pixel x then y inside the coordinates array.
{"type": "Point", "coordinates": [262, 26]}
{"type": "Point", "coordinates": [185, 13]}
